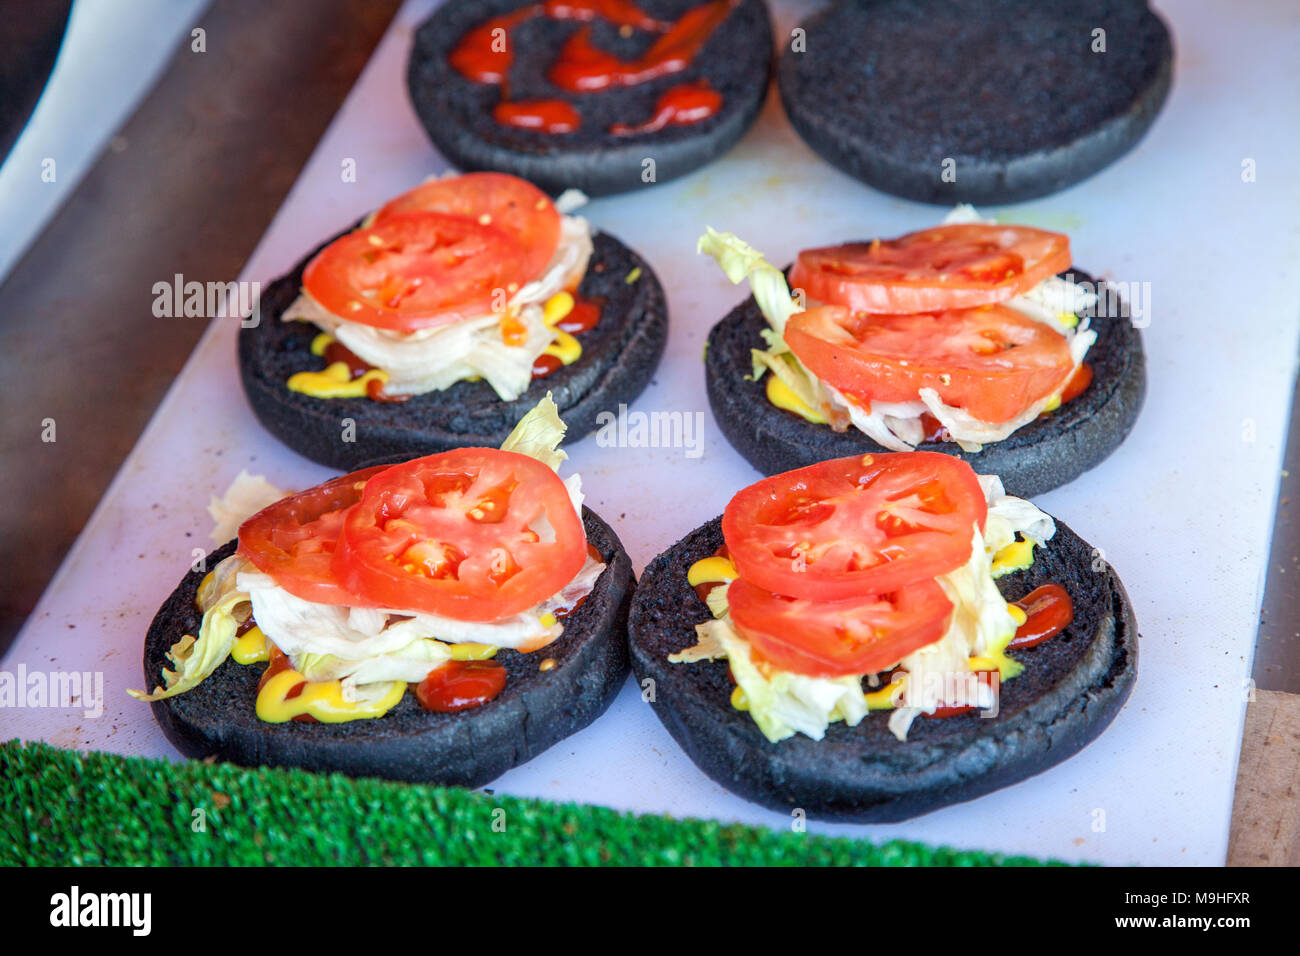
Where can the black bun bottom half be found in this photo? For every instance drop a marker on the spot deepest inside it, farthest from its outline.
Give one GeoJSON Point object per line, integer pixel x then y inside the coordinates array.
{"type": "Point", "coordinates": [619, 357]}
{"type": "Point", "coordinates": [1072, 687]}
{"type": "Point", "coordinates": [1009, 90]}
{"type": "Point", "coordinates": [457, 113]}
{"type": "Point", "coordinates": [536, 709]}
{"type": "Point", "coordinates": [1038, 457]}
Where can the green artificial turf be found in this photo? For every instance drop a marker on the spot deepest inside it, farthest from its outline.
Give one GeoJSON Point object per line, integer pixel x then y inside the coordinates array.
{"type": "Point", "coordinates": [63, 807]}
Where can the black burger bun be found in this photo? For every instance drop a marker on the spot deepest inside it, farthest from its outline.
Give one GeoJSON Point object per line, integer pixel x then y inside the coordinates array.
{"type": "Point", "coordinates": [1072, 687]}
{"type": "Point", "coordinates": [1040, 456]}
{"type": "Point", "coordinates": [982, 101]}
{"type": "Point", "coordinates": [619, 356]}
{"type": "Point", "coordinates": [457, 112]}
{"type": "Point", "coordinates": [536, 710]}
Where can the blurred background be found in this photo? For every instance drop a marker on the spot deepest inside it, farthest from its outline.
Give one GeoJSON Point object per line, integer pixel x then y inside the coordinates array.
{"type": "Point", "coordinates": [134, 146]}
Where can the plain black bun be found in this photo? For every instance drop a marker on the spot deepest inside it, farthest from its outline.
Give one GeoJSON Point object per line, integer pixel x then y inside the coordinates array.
{"type": "Point", "coordinates": [1011, 91]}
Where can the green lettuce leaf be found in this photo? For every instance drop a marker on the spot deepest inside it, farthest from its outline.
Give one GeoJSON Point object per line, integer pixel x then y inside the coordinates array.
{"type": "Point", "coordinates": [195, 660]}
{"type": "Point", "coordinates": [539, 433]}
{"type": "Point", "coordinates": [740, 261]}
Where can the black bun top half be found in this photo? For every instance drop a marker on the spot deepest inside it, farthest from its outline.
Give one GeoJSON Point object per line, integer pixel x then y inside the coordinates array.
{"type": "Point", "coordinates": [457, 112]}
{"type": "Point", "coordinates": [619, 356]}
{"type": "Point", "coordinates": [1042, 455]}
{"type": "Point", "coordinates": [1011, 91]}
{"type": "Point", "coordinates": [1072, 687]}
{"type": "Point", "coordinates": [535, 710]}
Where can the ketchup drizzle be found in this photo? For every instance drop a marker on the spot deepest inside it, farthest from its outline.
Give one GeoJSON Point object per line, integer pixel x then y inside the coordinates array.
{"type": "Point", "coordinates": [1048, 611]}
{"type": "Point", "coordinates": [485, 54]}
{"type": "Point", "coordinates": [582, 318]}
{"type": "Point", "coordinates": [679, 105]}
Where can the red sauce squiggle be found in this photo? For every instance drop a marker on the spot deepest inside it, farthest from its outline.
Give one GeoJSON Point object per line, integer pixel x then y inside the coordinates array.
{"type": "Point", "coordinates": [986, 678]}
{"type": "Point", "coordinates": [1048, 611]}
{"type": "Point", "coordinates": [704, 590]}
{"type": "Point", "coordinates": [461, 685]}
{"type": "Point", "coordinates": [338, 352]}
{"type": "Point", "coordinates": [546, 365]}
{"type": "Point", "coordinates": [680, 105]}
{"type": "Point", "coordinates": [548, 116]}
{"type": "Point", "coordinates": [621, 13]}
{"type": "Point", "coordinates": [583, 318]}
{"type": "Point", "coordinates": [485, 54]}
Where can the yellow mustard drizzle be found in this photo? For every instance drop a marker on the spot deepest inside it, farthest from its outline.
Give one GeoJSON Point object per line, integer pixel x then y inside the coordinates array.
{"type": "Point", "coordinates": [564, 346]}
{"type": "Point", "coordinates": [335, 381]}
{"type": "Point", "coordinates": [886, 698]}
{"type": "Point", "coordinates": [320, 699]}
{"type": "Point", "coordinates": [1016, 556]}
{"type": "Point", "coordinates": [996, 659]}
{"type": "Point", "coordinates": [713, 570]}
{"type": "Point", "coordinates": [472, 652]}
{"type": "Point", "coordinates": [251, 647]}
{"type": "Point", "coordinates": [783, 396]}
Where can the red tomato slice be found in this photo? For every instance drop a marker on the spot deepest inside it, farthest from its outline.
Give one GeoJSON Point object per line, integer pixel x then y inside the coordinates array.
{"type": "Point", "coordinates": [293, 540]}
{"type": "Point", "coordinates": [513, 205]}
{"type": "Point", "coordinates": [991, 361]}
{"type": "Point", "coordinates": [475, 534]}
{"type": "Point", "coordinates": [859, 635]}
{"type": "Point", "coordinates": [417, 270]}
{"type": "Point", "coordinates": [947, 267]}
{"type": "Point", "coordinates": [850, 527]}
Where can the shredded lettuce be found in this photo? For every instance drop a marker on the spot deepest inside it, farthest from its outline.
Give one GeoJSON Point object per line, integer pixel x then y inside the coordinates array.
{"type": "Point", "coordinates": [195, 659]}
{"type": "Point", "coordinates": [246, 496]}
{"type": "Point", "coordinates": [411, 664]}
{"type": "Point", "coordinates": [782, 703]}
{"type": "Point", "coordinates": [740, 261]}
{"type": "Point", "coordinates": [539, 433]}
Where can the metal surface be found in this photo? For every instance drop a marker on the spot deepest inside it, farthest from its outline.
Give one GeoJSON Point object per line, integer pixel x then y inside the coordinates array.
{"type": "Point", "coordinates": [188, 186]}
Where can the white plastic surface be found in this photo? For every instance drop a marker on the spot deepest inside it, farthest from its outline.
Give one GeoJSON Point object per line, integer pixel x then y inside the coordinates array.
{"type": "Point", "coordinates": [1183, 510]}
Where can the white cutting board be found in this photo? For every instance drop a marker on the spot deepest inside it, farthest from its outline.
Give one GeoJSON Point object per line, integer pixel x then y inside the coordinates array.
{"type": "Point", "coordinates": [1183, 510]}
